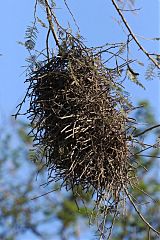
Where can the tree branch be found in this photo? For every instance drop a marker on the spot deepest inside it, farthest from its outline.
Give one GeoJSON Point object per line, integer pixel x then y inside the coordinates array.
{"type": "Point", "coordinates": [49, 17]}
{"type": "Point", "coordinates": [133, 35]}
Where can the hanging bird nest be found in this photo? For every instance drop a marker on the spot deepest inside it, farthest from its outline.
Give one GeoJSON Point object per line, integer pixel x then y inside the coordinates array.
{"type": "Point", "coordinates": [77, 123]}
{"type": "Point", "coordinates": [79, 120]}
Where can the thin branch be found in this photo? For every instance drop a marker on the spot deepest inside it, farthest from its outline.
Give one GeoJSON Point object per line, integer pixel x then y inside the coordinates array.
{"type": "Point", "coordinates": [47, 44]}
{"type": "Point", "coordinates": [74, 20]}
{"type": "Point", "coordinates": [34, 230]}
{"type": "Point", "coordinates": [139, 213]}
{"type": "Point", "coordinates": [133, 35]}
{"type": "Point", "coordinates": [35, 10]}
{"type": "Point", "coordinates": [141, 190]}
{"type": "Point", "coordinates": [54, 190]}
{"type": "Point", "coordinates": [49, 17]}
{"type": "Point", "coordinates": [130, 10]}
{"type": "Point", "coordinates": [149, 234]}
{"type": "Point", "coordinates": [145, 149]}
{"type": "Point", "coordinates": [148, 39]}
{"type": "Point", "coordinates": [150, 156]}
{"type": "Point", "coordinates": [147, 130]}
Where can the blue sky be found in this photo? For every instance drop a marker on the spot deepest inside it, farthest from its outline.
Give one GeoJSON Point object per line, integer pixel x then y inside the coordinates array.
{"type": "Point", "coordinates": [97, 23]}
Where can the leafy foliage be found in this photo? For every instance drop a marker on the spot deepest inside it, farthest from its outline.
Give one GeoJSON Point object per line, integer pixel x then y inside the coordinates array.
{"type": "Point", "coordinates": [31, 36]}
{"type": "Point", "coordinates": [150, 72]}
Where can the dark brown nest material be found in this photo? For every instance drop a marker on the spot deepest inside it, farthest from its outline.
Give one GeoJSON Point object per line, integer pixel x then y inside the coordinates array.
{"type": "Point", "coordinates": [77, 122]}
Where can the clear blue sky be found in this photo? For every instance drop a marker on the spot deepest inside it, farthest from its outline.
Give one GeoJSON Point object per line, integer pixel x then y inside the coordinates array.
{"type": "Point", "coordinates": [97, 25]}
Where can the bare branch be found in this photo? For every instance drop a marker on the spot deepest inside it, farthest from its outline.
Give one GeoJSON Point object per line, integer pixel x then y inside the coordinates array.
{"type": "Point", "coordinates": [49, 17]}
{"type": "Point", "coordinates": [130, 10]}
{"type": "Point", "coordinates": [133, 35]}
{"type": "Point", "coordinates": [47, 43]}
{"type": "Point", "coordinates": [65, 2]}
{"type": "Point", "coordinates": [147, 130]}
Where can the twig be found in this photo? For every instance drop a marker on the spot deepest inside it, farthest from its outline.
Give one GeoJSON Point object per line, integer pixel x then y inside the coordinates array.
{"type": "Point", "coordinates": [65, 2]}
{"type": "Point", "coordinates": [147, 130]}
{"type": "Point", "coordinates": [148, 39]}
{"type": "Point", "coordinates": [47, 44]}
{"type": "Point", "coordinates": [138, 212]}
{"type": "Point", "coordinates": [149, 234]}
{"type": "Point", "coordinates": [145, 149]}
{"type": "Point", "coordinates": [44, 194]}
{"type": "Point", "coordinates": [130, 10]}
{"type": "Point", "coordinates": [49, 17]}
{"type": "Point", "coordinates": [133, 35]}
{"type": "Point", "coordinates": [34, 230]}
{"type": "Point", "coordinates": [150, 156]}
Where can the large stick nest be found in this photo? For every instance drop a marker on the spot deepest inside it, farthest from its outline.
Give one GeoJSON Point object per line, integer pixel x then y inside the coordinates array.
{"type": "Point", "coordinates": [77, 122]}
